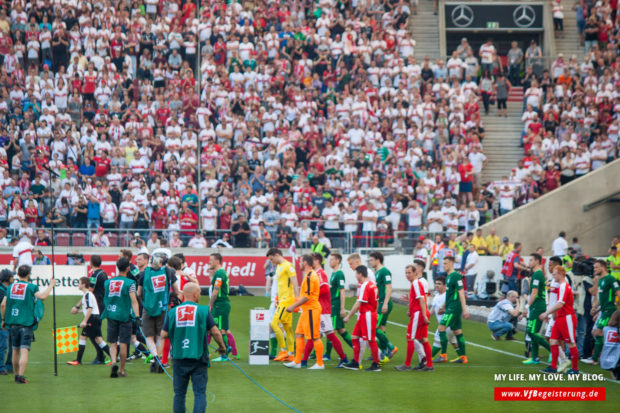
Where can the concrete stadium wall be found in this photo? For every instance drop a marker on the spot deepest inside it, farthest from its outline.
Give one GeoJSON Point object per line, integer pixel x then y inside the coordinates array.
{"type": "Point", "coordinates": [538, 223]}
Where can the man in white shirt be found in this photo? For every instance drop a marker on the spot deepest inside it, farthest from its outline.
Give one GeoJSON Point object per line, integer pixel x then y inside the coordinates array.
{"type": "Point", "coordinates": [197, 241]}
{"type": "Point", "coordinates": [22, 252]}
{"type": "Point", "coordinates": [471, 267]}
{"type": "Point", "coordinates": [369, 223]}
{"type": "Point", "coordinates": [209, 217]}
{"type": "Point", "coordinates": [331, 214]}
{"type": "Point", "coordinates": [560, 246]}
{"type": "Point", "coordinates": [434, 220]}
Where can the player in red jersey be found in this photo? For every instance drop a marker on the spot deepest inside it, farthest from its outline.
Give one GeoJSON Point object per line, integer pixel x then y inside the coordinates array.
{"type": "Point", "coordinates": [418, 321]}
{"type": "Point", "coordinates": [564, 328]}
{"type": "Point", "coordinates": [367, 303]}
{"type": "Point", "coordinates": [326, 312]}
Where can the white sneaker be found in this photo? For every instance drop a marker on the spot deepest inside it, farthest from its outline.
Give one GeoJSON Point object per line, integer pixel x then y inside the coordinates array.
{"type": "Point", "coordinates": [292, 365]}
{"type": "Point", "coordinates": [588, 360]}
{"type": "Point", "coordinates": [317, 367]}
{"type": "Point", "coordinates": [564, 365]}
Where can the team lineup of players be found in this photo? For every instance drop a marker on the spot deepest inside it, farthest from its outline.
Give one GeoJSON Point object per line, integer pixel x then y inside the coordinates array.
{"type": "Point", "coordinates": [321, 300]}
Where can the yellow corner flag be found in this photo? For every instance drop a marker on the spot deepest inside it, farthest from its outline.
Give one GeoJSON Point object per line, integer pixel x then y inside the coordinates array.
{"type": "Point", "coordinates": [66, 340]}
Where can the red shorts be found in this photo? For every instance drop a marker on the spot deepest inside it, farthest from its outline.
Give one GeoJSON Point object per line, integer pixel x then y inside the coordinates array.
{"type": "Point", "coordinates": [366, 326]}
{"type": "Point", "coordinates": [417, 328]}
{"type": "Point", "coordinates": [564, 329]}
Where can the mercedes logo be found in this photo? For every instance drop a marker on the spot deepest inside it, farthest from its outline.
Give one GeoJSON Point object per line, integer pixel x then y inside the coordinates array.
{"type": "Point", "coordinates": [524, 16]}
{"type": "Point", "coordinates": [462, 15]}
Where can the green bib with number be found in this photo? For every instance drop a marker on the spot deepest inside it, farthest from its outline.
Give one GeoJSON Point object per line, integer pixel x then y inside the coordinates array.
{"type": "Point", "coordinates": [116, 301]}
{"type": "Point", "coordinates": [187, 327]}
{"type": "Point", "coordinates": [155, 293]}
{"type": "Point", "coordinates": [20, 304]}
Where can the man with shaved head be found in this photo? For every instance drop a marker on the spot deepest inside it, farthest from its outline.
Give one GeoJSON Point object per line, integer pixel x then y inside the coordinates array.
{"type": "Point", "coordinates": [187, 326]}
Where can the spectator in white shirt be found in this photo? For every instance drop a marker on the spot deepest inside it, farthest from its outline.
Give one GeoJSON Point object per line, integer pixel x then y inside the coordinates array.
{"type": "Point", "coordinates": [434, 220]}
{"type": "Point", "coordinates": [560, 245]}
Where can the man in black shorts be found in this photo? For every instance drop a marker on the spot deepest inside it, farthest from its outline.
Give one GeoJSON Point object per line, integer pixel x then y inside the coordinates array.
{"type": "Point", "coordinates": [91, 325]}
{"type": "Point", "coordinates": [135, 272]}
{"type": "Point", "coordinates": [121, 307]}
{"type": "Point", "coordinates": [98, 278]}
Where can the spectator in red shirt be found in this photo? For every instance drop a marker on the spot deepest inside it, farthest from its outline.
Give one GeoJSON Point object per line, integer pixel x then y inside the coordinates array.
{"type": "Point", "coordinates": [188, 221]}
{"type": "Point", "coordinates": [466, 186]}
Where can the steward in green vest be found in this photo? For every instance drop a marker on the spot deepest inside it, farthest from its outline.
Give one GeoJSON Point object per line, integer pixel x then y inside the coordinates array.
{"type": "Point", "coordinates": [18, 310]}
{"type": "Point", "coordinates": [613, 261]}
{"type": "Point", "coordinates": [188, 325]}
{"type": "Point", "coordinates": [568, 259]}
{"type": "Point", "coordinates": [319, 248]}
{"type": "Point", "coordinates": [121, 309]}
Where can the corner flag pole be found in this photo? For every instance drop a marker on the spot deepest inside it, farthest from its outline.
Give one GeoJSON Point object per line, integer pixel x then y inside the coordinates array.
{"type": "Point", "coordinates": [51, 192]}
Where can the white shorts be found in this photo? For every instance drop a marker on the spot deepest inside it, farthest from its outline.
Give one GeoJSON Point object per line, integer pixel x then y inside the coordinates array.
{"type": "Point", "coordinates": [326, 323]}
{"type": "Point", "coordinates": [550, 323]}
{"type": "Point", "coordinates": [451, 337]}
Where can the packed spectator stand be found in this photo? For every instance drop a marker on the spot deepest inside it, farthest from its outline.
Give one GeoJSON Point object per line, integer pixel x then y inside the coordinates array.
{"type": "Point", "coordinates": [250, 123]}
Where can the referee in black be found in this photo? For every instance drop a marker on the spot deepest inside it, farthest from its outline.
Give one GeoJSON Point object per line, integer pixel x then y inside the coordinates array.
{"type": "Point", "coordinates": [188, 326]}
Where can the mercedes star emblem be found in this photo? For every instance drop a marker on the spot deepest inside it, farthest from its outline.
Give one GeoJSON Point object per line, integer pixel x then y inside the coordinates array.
{"type": "Point", "coordinates": [524, 16]}
{"type": "Point", "coordinates": [462, 15]}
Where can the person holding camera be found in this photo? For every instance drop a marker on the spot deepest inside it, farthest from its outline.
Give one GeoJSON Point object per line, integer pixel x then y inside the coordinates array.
{"type": "Point", "coordinates": [499, 320]}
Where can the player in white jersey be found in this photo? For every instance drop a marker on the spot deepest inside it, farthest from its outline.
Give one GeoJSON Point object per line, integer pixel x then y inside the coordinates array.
{"type": "Point", "coordinates": [552, 299]}
{"type": "Point", "coordinates": [22, 251]}
{"type": "Point", "coordinates": [439, 301]}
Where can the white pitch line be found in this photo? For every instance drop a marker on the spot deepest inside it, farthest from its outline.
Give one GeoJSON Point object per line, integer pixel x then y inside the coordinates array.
{"type": "Point", "coordinates": [469, 343]}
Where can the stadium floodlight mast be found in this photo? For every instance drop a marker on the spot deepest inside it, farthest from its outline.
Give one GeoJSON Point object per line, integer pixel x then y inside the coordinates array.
{"type": "Point", "coordinates": [51, 198]}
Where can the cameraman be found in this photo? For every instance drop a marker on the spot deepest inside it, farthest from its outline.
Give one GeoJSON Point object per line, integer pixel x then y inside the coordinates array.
{"type": "Point", "coordinates": [584, 291]}
{"type": "Point", "coordinates": [499, 320]}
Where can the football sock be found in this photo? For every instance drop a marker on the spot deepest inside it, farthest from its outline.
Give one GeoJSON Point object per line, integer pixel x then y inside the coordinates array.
{"type": "Point", "coordinates": [318, 350]}
{"type": "Point", "coordinates": [436, 350]}
{"type": "Point", "coordinates": [555, 349]}
{"type": "Point", "coordinates": [232, 343]}
{"type": "Point", "coordinates": [443, 338]}
{"type": "Point", "coordinates": [100, 355]}
{"type": "Point", "coordinates": [536, 341]}
{"type": "Point", "coordinates": [166, 351]}
{"type": "Point", "coordinates": [307, 350]}
{"type": "Point", "coordinates": [356, 350]}
{"type": "Point", "coordinates": [362, 349]}
{"type": "Point", "coordinates": [81, 348]}
{"type": "Point", "coordinates": [428, 354]}
{"type": "Point", "coordinates": [410, 348]}
{"type": "Point", "coordinates": [279, 335]}
{"type": "Point", "coordinates": [382, 340]}
{"type": "Point", "coordinates": [104, 346]}
{"type": "Point", "coordinates": [419, 348]}
{"type": "Point", "coordinates": [561, 353]}
{"type": "Point", "coordinates": [290, 338]}
{"type": "Point", "coordinates": [333, 341]}
{"type": "Point", "coordinates": [460, 339]}
{"type": "Point", "coordinates": [328, 349]}
{"type": "Point", "coordinates": [299, 350]}
{"type": "Point", "coordinates": [598, 347]}
{"type": "Point", "coordinates": [374, 349]}
{"type": "Point", "coordinates": [273, 347]}
{"type": "Point", "coordinates": [346, 336]}
{"type": "Point", "coordinates": [574, 356]}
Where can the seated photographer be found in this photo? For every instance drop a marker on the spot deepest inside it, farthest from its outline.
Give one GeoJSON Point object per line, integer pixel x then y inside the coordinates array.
{"type": "Point", "coordinates": [486, 288]}
{"type": "Point", "coordinates": [499, 320]}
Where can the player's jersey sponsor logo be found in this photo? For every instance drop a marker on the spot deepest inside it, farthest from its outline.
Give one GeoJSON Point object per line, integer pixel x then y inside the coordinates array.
{"type": "Point", "coordinates": [115, 288]}
{"type": "Point", "coordinates": [159, 283]}
{"type": "Point", "coordinates": [186, 316]}
{"type": "Point", "coordinates": [612, 337]}
{"type": "Point", "coordinates": [260, 317]}
{"type": "Point", "coordinates": [18, 291]}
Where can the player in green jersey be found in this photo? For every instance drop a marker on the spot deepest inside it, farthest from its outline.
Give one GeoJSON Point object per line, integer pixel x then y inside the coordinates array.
{"type": "Point", "coordinates": [338, 297]}
{"type": "Point", "coordinates": [18, 313]}
{"type": "Point", "coordinates": [536, 305]}
{"type": "Point", "coordinates": [607, 290]}
{"type": "Point", "coordinates": [383, 280]}
{"type": "Point", "coordinates": [220, 303]}
{"type": "Point", "coordinates": [453, 309]}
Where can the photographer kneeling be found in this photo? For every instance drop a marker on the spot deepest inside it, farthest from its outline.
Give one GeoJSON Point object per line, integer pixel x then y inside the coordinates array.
{"type": "Point", "coordinates": [499, 318]}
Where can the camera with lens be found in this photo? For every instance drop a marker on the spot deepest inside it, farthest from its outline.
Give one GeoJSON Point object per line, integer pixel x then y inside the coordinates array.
{"type": "Point", "coordinates": [583, 266]}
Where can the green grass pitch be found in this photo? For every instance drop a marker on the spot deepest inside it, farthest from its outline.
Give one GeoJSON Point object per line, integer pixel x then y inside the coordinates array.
{"type": "Point", "coordinates": [450, 388]}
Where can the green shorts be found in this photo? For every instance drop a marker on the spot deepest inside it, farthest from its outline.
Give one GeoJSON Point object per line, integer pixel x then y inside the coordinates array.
{"type": "Point", "coordinates": [452, 320]}
{"type": "Point", "coordinates": [603, 320]}
{"type": "Point", "coordinates": [221, 314]}
{"type": "Point", "coordinates": [534, 323]}
{"type": "Point", "coordinates": [337, 322]}
{"type": "Point", "coordinates": [382, 318]}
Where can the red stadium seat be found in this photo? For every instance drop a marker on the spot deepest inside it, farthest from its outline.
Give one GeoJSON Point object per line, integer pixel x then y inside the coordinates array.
{"type": "Point", "coordinates": [63, 239]}
{"type": "Point", "coordinates": [113, 238]}
{"type": "Point", "coordinates": [79, 240]}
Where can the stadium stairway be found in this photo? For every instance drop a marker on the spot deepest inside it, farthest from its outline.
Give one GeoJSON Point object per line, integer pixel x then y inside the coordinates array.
{"type": "Point", "coordinates": [425, 30]}
{"type": "Point", "coordinates": [568, 44]}
{"type": "Point", "coordinates": [503, 137]}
